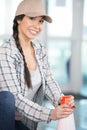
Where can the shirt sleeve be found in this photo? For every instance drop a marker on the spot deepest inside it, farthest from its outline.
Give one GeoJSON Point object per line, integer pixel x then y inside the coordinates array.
{"type": "Point", "coordinates": [52, 89]}
{"type": "Point", "coordinates": [9, 82]}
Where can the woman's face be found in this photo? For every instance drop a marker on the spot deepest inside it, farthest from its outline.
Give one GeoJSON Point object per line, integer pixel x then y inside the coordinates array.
{"type": "Point", "coordinates": [30, 27]}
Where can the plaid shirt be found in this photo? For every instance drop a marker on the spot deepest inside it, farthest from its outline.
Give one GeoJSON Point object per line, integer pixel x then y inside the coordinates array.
{"type": "Point", "coordinates": [12, 79]}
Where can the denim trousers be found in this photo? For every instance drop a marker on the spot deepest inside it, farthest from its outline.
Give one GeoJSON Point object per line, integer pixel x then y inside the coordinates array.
{"type": "Point", "coordinates": [7, 113]}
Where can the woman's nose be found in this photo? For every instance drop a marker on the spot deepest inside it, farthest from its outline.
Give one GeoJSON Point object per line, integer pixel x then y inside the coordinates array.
{"type": "Point", "coordinates": [37, 24]}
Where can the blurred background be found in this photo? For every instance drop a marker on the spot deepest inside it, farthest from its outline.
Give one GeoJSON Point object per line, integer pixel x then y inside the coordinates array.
{"type": "Point", "coordinates": [66, 41]}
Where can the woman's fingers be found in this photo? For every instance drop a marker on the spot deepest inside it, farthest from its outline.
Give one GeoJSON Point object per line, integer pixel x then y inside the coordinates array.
{"type": "Point", "coordinates": [61, 111]}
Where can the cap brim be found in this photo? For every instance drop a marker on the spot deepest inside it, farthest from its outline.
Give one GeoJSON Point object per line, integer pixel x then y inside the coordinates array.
{"type": "Point", "coordinates": [47, 18]}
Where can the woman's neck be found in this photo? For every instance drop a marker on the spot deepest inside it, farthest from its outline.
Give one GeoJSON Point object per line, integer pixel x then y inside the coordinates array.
{"type": "Point", "coordinates": [25, 42]}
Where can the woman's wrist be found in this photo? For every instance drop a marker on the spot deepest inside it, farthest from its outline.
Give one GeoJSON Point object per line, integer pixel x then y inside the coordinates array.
{"type": "Point", "coordinates": [52, 115]}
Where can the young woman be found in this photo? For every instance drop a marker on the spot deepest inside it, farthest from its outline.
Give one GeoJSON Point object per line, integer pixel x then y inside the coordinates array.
{"type": "Point", "coordinates": [25, 76]}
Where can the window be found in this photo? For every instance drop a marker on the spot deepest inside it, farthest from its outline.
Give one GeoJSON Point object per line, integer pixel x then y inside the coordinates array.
{"type": "Point", "coordinates": [59, 43]}
{"type": "Point", "coordinates": [7, 14]}
{"type": "Point", "coordinates": [84, 44]}
{"type": "Point", "coordinates": [62, 22]}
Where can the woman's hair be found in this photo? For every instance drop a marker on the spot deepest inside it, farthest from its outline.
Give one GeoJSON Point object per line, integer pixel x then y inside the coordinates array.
{"type": "Point", "coordinates": [15, 35]}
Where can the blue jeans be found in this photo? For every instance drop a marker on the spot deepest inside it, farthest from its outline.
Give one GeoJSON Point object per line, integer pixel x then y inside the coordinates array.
{"type": "Point", "coordinates": [7, 113]}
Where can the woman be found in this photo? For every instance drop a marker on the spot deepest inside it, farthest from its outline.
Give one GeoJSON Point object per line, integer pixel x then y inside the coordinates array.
{"type": "Point", "coordinates": [24, 73]}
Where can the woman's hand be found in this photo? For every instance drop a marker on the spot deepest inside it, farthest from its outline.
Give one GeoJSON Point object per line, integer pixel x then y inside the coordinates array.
{"type": "Point", "coordinates": [62, 111]}
{"type": "Point", "coordinates": [71, 102]}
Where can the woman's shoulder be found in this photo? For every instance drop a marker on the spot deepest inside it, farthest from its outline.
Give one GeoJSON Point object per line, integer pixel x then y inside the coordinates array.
{"type": "Point", "coordinates": [8, 44]}
{"type": "Point", "coordinates": [9, 48]}
{"type": "Point", "coordinates": [39, 45]}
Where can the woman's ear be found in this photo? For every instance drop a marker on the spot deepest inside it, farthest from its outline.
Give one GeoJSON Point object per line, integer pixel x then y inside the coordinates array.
{"type": "Point", "coordinates": [18, 21]}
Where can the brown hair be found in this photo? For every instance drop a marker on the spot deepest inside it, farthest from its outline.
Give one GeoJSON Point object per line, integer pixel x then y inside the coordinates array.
{"type": "Point", "coordinates": [15, 36]}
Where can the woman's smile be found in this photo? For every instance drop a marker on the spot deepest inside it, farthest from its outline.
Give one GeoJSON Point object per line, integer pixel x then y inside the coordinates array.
{"type": "Point", "coordinates": [33, 31]}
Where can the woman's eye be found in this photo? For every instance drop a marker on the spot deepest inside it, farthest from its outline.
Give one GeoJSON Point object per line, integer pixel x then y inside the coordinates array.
{"type": "Point", "coordinates": [42, 21]}
{"type": "Point", "coordinates": [32, 18]}
{"type": "Point", "coordinates": [35, 18]}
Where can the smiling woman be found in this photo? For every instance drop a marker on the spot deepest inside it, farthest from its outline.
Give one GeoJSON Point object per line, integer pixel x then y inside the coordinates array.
{"type": "Point", "coordinates": [25, 72]}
